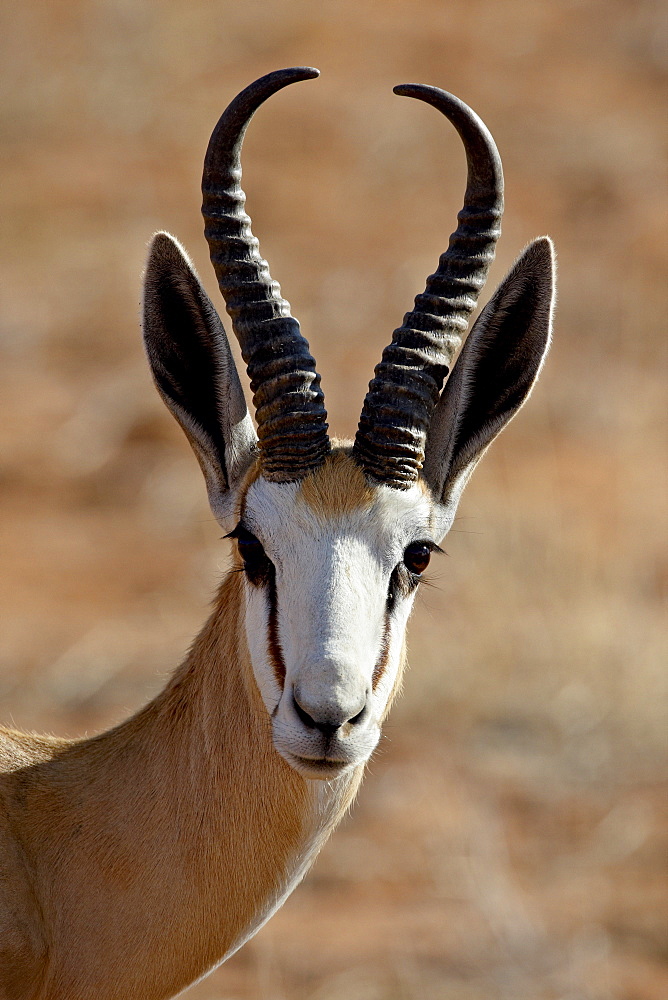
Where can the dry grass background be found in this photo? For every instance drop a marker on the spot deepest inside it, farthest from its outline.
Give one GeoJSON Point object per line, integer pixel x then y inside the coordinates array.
{"type": "Point", "coordinates": [509, 841]}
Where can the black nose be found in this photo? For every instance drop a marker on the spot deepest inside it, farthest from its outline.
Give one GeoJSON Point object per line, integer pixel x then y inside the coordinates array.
{"type": "Point", "coordinates": [328, 719]}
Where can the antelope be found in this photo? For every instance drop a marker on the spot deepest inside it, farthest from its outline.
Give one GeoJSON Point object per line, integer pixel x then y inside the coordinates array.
{"type": "Point", "coordinates": [135, 861]}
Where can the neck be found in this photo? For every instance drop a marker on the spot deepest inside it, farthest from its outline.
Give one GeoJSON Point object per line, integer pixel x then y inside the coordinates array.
{"type": "Point", "coordinates": [184, 829]}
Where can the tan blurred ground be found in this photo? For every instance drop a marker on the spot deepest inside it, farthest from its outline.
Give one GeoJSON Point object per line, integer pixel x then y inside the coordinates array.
{"type": "Point", "coordinates": [509, 841]}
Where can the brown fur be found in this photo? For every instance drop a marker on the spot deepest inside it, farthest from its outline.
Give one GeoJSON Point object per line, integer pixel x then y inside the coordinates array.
{"type": "Point", "coordinates": [337, 487]}
{"type": "Point", "coordinates": [133, 862]}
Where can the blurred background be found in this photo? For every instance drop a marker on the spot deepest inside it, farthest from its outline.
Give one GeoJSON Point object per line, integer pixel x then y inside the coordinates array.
{"type": "Point", "coordinates": [510, 838]}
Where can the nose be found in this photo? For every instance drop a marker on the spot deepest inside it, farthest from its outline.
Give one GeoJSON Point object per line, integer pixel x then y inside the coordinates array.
{"type": "Point", "coordinates": [328, 717]}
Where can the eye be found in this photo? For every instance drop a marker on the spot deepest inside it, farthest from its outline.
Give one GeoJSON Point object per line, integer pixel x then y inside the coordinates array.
{"type": "Point", "coordinates": [250, 547]}
{"type": "Point", "coordinates": [256, 561]}
{"type": "Point", "coordinates": [417, 556]}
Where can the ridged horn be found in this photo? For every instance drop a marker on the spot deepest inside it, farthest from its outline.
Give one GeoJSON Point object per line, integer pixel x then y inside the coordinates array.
{"type": "Point", "coordinates": [289, 403]}
{"type": "Point", "coordinates": [392, 431]}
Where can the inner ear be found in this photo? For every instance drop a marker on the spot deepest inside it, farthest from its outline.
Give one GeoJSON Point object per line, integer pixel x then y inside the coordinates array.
{"type": "Point", "coordinates": [183, 351]}
{"type": "Point", "coordinates": [194, 371]}
{"type": "Point", "coordinates": [495, 371]}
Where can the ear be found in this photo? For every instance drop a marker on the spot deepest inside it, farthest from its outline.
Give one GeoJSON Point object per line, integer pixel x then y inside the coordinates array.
{"type": "Point", "coordinates": [493, 375]}
{"type": "Point", "coordinates": [194, 371]}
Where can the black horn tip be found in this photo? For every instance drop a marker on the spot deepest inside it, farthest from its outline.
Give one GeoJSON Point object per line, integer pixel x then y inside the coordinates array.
{"type": "Point", "coordinates": [485, 174]}
{"type": "Point", "coordinates": [228, 134]}
{"type": "Point", "coordinates": [258, 91]}
{"type": "Point", "coordinates": [282, 77]}
{"type": "Point", "coordinates": [432, 95]}
{"type": "Point", "coordinates": [408, 89]}
{"type": "Point", "coordinates": [306, 72]}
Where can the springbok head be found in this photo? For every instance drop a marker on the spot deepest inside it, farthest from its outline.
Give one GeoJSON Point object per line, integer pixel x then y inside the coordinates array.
{"type": "Point", "coordinates": [333, 537]}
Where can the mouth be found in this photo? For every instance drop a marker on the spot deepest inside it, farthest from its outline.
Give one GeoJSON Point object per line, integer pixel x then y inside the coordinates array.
{"type": "Point", "coordinates": [320, 768]}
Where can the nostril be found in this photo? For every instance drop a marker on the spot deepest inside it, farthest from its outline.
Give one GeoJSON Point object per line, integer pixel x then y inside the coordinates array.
{"type": "Point", "coordinates": [304, 716]}
{"type": "Point", "coordinates": [330, 722]}
{"type": "Point", "coordinates": [326, 728]}
{"type": "Point", "coordinates": [359, 717]}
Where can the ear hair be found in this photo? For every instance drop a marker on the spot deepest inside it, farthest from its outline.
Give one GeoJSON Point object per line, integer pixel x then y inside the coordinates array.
{"type": "Point", "coordinates": [494, 373]}
{"type": "Point", "coordinates": [194, 370]}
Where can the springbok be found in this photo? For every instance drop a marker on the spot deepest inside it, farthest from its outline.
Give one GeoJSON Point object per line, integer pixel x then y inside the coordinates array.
{"type": "Point", "coordinates": [134, 862]}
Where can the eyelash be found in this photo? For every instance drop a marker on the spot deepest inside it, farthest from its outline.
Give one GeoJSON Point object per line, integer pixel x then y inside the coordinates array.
{"type": "Point", "coordinates": [404, 580]}
{"type": "Point", "coordinates": [256, 563]}
{"type": "Point", "coordinates": [259, 568]}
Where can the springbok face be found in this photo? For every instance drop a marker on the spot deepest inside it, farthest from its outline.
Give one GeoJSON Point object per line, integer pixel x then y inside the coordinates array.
{"type": "Point", "coordinates": [332, 541]}
{"type": "Point", "coordinates": [332, 566]}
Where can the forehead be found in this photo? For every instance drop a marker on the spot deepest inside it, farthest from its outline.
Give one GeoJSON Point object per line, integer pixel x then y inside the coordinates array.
{"type": "Point", "coordinates": [336, 499]}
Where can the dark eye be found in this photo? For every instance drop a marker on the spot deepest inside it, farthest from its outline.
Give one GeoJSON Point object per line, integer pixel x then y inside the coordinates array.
{"type": "Point", "coordinates": [250, 547]}
{"type": "Point", "coordinates": [250, 550]}
{"type": "Point", "coordinates": [417, 556]}
{"type": "Point", "coordinates": [256, 562]}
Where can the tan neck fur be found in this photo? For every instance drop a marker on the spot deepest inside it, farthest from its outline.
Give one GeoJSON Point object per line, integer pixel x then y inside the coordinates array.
{"type": "Point", "coordinates": [157, 848]}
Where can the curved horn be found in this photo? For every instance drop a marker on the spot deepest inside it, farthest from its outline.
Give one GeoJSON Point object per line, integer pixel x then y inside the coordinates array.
{"type": "Point", "coordinates": [291, 417]}
{"type": "Point", "coordinates": [392, 431]}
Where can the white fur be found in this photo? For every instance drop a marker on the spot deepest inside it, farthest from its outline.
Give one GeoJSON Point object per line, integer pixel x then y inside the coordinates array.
{"type": "Point", "coordinates": [332, 579]}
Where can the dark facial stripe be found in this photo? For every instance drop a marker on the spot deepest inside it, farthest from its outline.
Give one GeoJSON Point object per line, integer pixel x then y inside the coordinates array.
{"type": "Point", "coordinates": [273, 642]}
{"type": "Point", "coordinates": [274, 651]}
{"type": "Point", "coordinates": [381, 664]}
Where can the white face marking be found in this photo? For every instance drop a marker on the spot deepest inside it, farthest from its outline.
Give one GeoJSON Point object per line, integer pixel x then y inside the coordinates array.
{"type": "Point", "coordinates": [335, 633]}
